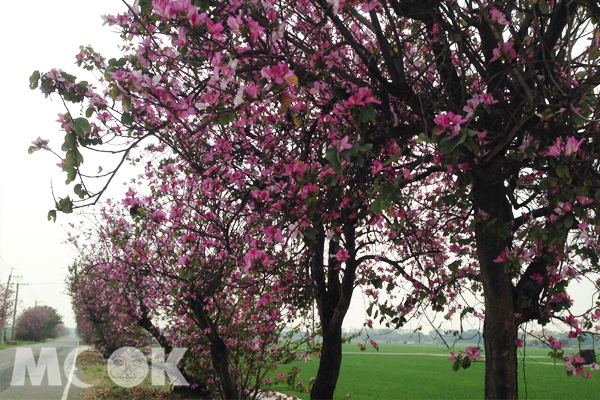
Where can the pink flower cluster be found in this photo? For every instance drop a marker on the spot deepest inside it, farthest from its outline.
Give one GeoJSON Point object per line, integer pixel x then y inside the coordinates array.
{"type": "Point", "coordinates": [505, 51]}
{"type": "Point", "coordinates": [473, 353]}
{"type": "Point", "coordinates": [279, 74]}
{"type": "Point", "coordinates": [448, 122]}
{"type": "Point", "coordinates": [574, 364]}
{"type": "Point", "coordinates": [560, 148]}
{"type": "Point", "coordinates": [363, 97]}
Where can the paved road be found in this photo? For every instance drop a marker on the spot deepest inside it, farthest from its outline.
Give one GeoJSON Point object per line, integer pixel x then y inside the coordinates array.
{"type": "Point", "coordinates": [58, 387]}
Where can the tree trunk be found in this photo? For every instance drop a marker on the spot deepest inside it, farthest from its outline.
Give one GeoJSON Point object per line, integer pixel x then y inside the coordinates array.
{"type": "Point", "coordinates": [500, 326]}
{"type": "Point", "coordinates": [333, 300]}
{"type": "Point", "coordinates": [218, 350]}
{"type": "Point", "coordinates": [329, 367]}
{"type": "Point", "coordinates": [220, 359]}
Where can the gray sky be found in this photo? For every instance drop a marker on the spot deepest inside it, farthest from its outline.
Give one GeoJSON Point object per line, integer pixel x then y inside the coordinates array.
{"type": "Point", "coordinates": [45, 35]}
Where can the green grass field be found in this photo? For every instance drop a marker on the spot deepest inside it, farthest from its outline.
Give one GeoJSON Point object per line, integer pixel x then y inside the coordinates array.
{"type": "Point", "coordinates": [386, 376]}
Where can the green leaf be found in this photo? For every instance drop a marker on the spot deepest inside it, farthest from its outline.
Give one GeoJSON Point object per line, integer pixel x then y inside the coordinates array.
{"type": "Point", "coordinates": [548, 182]}
{"type": "Point", "coordinates": [333, 157]}
{"type": "Point", "coordinates": [472, 146]}
{"type": "Point", "coordinates": [89, 112]}
{"type": "Point", "coordinates": [562, 171]}
{"type": "Point", "coordinates": [77, 129]}
{"type": "Point", "coordinates": [83, 124]}
{"type": "Point", "coordinates": [466, 362]}
{"type": "Point", "coordinates": [447, 145]}
{"type": "Point", "coordinates": [597, 196]}
{"type": "Point", "coordinates": [79, 191]}
{"type": "Point", "coordinates": [456, 365]}
{"type": "Point", "coordinates": [353, 152]}
{"type": "Point", "coordinates": [126, 118]}
{"type": "Point", "coordinates": [52, 215]}
{"type": "Point", "coordinates": [71, 175]}
{"type": "Point", "coordinates": [311, 234]}
{"type": "Point", "coordinates": [115, 92]}
{"type": "Point", "coordinates": [226, 118]}
{"type": "Point", "coordinates": [66, 205]}
{"type": "Point", "coordinates": [377, 206]}
{"type": "Point", "coordinates": [367, 147]}
{"type": "Point", "coordinates": [31, 149]}
{"type": "Point", "coordinates": [423, 138]}
{"type": "Point", "coordinates": [367, 114]}
{"type": "Point", "coordinates": [68, 77]}
{"type": "Point", "coordinates": [34, 79]}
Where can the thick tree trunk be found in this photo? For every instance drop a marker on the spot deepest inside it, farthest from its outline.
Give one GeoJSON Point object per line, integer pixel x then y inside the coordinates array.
{"type": "Point", "coordinates": [333, 300]}
{"type": "Point", "coordinates": [220, 359]}
{"type": "Point", "coordinates": [329, 367]}
{"type": "Point", "coordinates": [500, 326]}
{"type": "Point", "coordinates": [218, 351]}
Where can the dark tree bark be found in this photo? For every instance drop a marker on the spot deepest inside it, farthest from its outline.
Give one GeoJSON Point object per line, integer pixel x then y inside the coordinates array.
{"type": "Point", "coordinates": [500, 326]}
{"type": "Point", "coordinates": [333, 300]}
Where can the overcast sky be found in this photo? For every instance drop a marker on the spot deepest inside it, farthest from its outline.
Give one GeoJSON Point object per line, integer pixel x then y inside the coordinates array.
{"type": "Point", "coordinates": [43, 35]}
{"type": "Point", "coordinates": [48, 35]}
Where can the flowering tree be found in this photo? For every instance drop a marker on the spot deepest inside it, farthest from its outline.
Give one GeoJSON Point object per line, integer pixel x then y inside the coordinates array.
{"type": "Point", "coordinates": [172, 258]}
{"type": "Point", "coordinates": [38, 323]}
{"type": "Point", "coordinates": [334, 120]}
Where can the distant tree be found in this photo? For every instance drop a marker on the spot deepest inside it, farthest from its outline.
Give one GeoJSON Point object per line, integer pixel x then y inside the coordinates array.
{"type": "Point", "coordinates": [38, 323]}
{"type": "Point", "coordinates": [6, 302]}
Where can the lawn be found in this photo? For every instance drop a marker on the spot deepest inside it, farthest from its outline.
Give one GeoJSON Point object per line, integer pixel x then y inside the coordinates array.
{"type": "Point", "coordinates": [386, 376]}
{"type": "Point", "coordinates": [16, 343]}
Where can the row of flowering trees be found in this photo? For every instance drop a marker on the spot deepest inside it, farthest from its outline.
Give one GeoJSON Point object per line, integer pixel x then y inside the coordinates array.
{"type": "Point", "coordinates": [39, 323]}
{"type": "Point", "coordinates": [298, 149]}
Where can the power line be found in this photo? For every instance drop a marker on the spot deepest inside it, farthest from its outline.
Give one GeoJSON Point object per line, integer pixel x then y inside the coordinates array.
{"type": "Point", "coordinates": [48, 283]}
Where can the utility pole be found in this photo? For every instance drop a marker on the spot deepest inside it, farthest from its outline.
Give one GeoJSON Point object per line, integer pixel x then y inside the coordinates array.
{"type": "Point", "coordinates": [4, 308]}
{"type": "Point", "coordinates": [12, 333]}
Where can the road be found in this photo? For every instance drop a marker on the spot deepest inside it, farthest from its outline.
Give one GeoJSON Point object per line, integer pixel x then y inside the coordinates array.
{"type": "Point", "coordinates": [54, 353]}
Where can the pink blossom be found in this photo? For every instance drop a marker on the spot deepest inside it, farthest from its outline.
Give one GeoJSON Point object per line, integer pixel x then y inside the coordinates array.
{"type": "Point", "coordinates": [519, 342]}
{"type": "Point", "coordinates": [501, 258]}
{"type": "Point", "coordinates": [215, 29]}
{"type": "Point", "coordinates": [342, 255]}
{"type": "Point", "coordinates": [234, 23]}
{"type": "Point", "coordinates": [556, 149]}
{"type": "Point", "coordinates": [255, 29]}
{"type": "Point", "coordinates": [252, 90]}
{"type": "Point", "coordinates": [449, 121]}
{"type": "Point", "coordinates": [498, 17]}
{"type": "Point", "coordinates": [555, 344]}
{"type": "Point", "coordinates": [40, 143]}
{"type": "Point", "coordinates": [538, 278]}
{"type": "Point", "coordinates": [504, 51]}
{"type": "Point", "coordinates": [572, 146]}
{"type": "Point", "coordinates": [279, 73]}
{"type": "Point", "coordinates": [474, 353]}
{"type": "Point", "coordinates": [363, 97]}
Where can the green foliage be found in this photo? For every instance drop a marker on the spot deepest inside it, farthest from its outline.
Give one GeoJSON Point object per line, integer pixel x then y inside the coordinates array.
{"type": "Point", "coordinates": [333, 157]}
{"type": "Point", "coordinates": [446, 145]}
{"type": "Point", "coordinates": [367, 114]}
{"type": "Point", "coordinates": [34, 80]}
